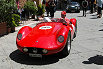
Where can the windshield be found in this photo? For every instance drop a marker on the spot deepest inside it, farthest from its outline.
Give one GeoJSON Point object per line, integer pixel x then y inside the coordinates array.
{"type": "Point", "coordinates": [74, 3]}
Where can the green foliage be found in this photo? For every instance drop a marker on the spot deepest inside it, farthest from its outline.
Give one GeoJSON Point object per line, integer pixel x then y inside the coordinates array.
{"type": "Point", "coordinates": [41, 9]}
{"type": "Point", "coordinates": [7, 7]}
{"type": "Point", "coordinates": [15, 19]}
{"type": "Point", "coordinates": [13, 22]}
{"type": "Point", "coordinates": [30, 7]}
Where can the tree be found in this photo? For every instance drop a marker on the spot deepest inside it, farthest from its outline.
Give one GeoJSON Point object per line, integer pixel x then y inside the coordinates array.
{"type": "Point", "coordinates": [30, 8]}
{"type": "Point", "coordinates": [7, 8]}
{"type": "Point", "coordinates": [41, 9]}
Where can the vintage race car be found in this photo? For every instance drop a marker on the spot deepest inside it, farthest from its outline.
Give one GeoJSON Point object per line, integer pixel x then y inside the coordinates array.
{"type": "Point", "coordinates": [47, 38]}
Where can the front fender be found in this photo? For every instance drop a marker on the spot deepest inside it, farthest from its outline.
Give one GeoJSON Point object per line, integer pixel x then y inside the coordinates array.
{"type": "Point", "coordinates": [24, 31]}
{"type": "Point", "coordinates": [64, 32]}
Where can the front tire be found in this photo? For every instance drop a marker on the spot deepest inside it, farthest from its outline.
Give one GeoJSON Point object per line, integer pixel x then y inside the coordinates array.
{"type": "Point", "coordinates": [78, 11]}
{"type": "Point", "coordinates": [67, 47]}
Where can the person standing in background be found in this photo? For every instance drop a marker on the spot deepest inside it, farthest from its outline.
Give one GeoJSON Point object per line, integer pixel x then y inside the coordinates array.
{"type": "Point", "coordinates": [84, 5]}
{"type": "Point", "coordinates": [99, 3]}
{"type": "Point", "coordinates": [92, 6]}
{"type": "Point", "coordinates": [102, 6]}
{"type": "Point", "coordinates": [95, 2]}
{"type": "Point", "coordinates": [44, 2]}
{"type": "Point", "coordinates": [52, 5]}
{"type": "Point", "coordinates": [47, 8]}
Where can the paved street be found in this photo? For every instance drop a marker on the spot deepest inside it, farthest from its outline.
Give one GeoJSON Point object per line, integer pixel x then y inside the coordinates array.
{"type": "Point", "coordinates": [86, 52]}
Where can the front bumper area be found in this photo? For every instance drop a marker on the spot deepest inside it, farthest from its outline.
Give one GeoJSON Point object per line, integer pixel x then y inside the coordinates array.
{"type": "Point", "coordinates": [33, 50]}
{"type": "Point", "coordinates": [72, 9]}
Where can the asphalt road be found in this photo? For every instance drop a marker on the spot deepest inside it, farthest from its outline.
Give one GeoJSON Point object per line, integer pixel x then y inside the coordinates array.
{"type": "Point", "coordinates": [86, 51]}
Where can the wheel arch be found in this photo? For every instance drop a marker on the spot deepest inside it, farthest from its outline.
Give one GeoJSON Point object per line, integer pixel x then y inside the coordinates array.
{"type": "Point", "coordinates": [65, 51]}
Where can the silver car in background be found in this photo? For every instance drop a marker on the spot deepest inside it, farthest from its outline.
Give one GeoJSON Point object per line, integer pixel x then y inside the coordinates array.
{"type": "Point", "coordinates": [73, 7]}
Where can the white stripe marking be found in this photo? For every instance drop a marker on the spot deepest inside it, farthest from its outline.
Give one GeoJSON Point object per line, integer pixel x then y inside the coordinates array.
{"type": "Point", "coordinates": [73, 27]}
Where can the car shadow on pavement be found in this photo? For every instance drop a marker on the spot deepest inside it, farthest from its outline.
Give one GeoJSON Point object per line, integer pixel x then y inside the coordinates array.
{"type": "Point", "coordinates": [94, 15]}
{"type": "Point", "coordinates": [80, 16]}
{"type": "Point", "coordinates": [21, 58]}
{"type": "Point", "coordinates": [101, 30]}
{"type": "Point", "coordinates": [94, 18]}
{"type": "Point", "coordinates": [98, 60]}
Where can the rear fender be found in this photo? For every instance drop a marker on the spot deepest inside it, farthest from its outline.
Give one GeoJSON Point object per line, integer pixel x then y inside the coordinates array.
{"type": "Point", "coordinates": [25, 31]}
{"type": "Point", "coordinates": [73, 21]}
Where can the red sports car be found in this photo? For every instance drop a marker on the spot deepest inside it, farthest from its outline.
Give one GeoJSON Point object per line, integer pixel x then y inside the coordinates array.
{"type": "Point", "coordinates": [47, 38]}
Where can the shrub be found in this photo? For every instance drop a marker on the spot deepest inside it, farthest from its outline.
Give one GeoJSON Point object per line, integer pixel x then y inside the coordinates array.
{"type": "Point", "coordinates": [13, 23]}
{"type": "Point", "coordinates": [16, 19]}
{"type": "Point", "coordinates": [30, 8]}
{"type": "Point", "coordinates": [7, 8]}
{"type": "Point", "coordinates": [41, 9]}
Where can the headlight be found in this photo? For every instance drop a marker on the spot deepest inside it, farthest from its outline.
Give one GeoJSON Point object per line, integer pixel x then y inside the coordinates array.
{"type": "Point", "coordinates": [25, 49]}
{"type": "Point", "coordinates": [19, 36]}
{"type": "Point", "coordinates": [61, 38]}
{"type": "Point", "coordinates": [44, 51]}
{"type": "Point", "coordinates": [72, 6]}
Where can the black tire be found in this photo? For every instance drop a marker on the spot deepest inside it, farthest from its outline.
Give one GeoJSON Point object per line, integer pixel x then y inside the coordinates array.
{"type": "Point", "coordinates": [68, 11]}
{"type": "Point", "coordinates": [67, 47]}
{"type": "Point", "coordinates": [78, 11]}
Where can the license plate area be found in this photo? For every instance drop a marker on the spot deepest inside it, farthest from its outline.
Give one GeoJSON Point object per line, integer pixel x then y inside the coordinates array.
{"type": "Point", "coordinates": [73, 11]}
{"type": "Point", "coordinates": [35, 55]}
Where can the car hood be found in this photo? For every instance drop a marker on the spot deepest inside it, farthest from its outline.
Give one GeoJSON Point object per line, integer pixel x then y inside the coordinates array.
{"type": "Point", "coordinates": [42, 35]}
{"type": "Point", "coordinates": [46, 29]}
